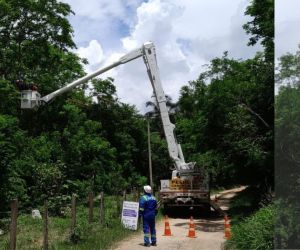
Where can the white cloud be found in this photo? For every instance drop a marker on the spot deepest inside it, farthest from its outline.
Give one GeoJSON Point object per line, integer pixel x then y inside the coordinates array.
{"type": "Point", "coordinates": [187, 34]}
{"type": "Point", "coordinates": [206, 19]}
{"type": "Point", "coordinates": [106, 21]}
{"type": "Point", "coordinates": [98, 10]}
{"type": "Point", "coordinates": [287, 21]}
{"type": "Point", "coordinates": [287, 35]}
{"type": "Point", "coordinates": [93, 53]}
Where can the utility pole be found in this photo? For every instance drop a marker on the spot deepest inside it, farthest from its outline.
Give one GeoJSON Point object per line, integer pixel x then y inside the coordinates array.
{"type": "Point", "coordinates": [149, 153]}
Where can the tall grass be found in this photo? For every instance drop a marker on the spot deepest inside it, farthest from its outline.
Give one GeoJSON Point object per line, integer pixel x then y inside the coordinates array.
{"type": "Point", "coordinates": [255, 232]}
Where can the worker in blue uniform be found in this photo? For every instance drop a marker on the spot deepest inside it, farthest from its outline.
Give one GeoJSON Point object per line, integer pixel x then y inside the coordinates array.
{"type": "Point", "coordinates": [148, 211]}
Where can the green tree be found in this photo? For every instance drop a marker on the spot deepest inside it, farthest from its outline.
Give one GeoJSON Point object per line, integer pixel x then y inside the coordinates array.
{"type": "Point", "coordinates": [223, 124]}
{"type": "Point", "coordinates": [262, 25]}
{"type": "Point", "coordinates": [12, 141]}
{"type": "Point", "coordinates": [35, 39]}
{"type": "Point", "coordinates": [124, 128]}
{"type": "Point", "coordinates": [287, 155]}
{"type": "Point", "coordinates": [9, 98]}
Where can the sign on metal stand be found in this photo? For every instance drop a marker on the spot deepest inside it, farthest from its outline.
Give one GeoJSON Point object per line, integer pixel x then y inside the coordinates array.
{"type": "Point", "coordinates": [130, 214]}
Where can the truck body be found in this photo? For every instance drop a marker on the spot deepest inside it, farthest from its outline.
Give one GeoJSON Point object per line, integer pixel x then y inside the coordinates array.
{"type": "Point", "coordinates": [189, 190]}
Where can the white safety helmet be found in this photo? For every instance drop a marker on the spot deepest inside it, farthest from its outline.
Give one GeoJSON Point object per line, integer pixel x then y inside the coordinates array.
{"type": "Point", "coordinates": [147, 189]}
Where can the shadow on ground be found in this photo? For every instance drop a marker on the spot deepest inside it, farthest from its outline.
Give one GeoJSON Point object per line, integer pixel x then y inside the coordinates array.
{"type": "Point", "coordinates": [197, 213]}
{"type": "Point", "coordinates": [211, 225]}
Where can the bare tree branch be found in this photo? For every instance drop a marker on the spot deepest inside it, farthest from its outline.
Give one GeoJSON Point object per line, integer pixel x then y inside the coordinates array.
{"type": "Point", "coordinates": [254, 113]}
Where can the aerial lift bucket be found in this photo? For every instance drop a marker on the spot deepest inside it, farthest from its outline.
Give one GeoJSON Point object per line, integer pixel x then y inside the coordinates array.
{"type": "Point", "coordinates": [30, 99]}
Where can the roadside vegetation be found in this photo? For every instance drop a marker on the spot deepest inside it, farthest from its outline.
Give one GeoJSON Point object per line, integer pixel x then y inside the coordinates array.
{"type": "Point", "coordinates": [254, 232]}
{"type": "Point", "coordinates": [85, 236]}
{"type": "Point", "coordinates": [287, 108]}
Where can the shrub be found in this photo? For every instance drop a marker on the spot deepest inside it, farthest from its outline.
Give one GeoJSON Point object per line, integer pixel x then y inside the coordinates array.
{"type": "Point", "coordinates": [287, 230]}
{"type": "Point", "coordinates": [255, 232]}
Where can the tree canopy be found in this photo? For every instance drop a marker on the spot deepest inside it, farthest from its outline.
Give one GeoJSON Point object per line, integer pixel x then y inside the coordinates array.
{"type": "Point", "coordinates": [287, 157]}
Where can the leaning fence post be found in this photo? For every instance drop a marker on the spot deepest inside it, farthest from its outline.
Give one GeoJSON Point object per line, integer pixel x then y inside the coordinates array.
{"type": "Point", "coordinates": [13, 224]}
{"type": "Point", "coordinates": [91, 206]}
{"type": "Point", "coordinates": [45, 242]}
{"type": "Point", "coordinates": [73, 213]}
{"type": "Point", "coordinates": [101, 211]}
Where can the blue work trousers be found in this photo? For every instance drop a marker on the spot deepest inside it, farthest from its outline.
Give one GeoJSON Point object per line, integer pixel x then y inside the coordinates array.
{"type": "Point", "coordinates": [149, 230]}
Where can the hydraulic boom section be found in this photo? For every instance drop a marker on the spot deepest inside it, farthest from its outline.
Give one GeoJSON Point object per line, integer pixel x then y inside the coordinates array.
{"type": "Point", "coordinates": [174, 148]}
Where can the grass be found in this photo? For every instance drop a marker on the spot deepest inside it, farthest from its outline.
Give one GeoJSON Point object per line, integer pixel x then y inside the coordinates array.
{"type": "Point", "coordinates": [255, 232]}
{"type": "Point", "coordinates": [252, 225]}
{"type": "Point", "coordinates": [89, 236]}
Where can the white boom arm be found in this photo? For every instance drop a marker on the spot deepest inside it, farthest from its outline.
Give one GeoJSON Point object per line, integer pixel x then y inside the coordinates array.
{"type": "Point", "coordinates": [174, 148]}
{"type": "Point", "coordinates": [129, 57]}
{"type": "Point", "coordinates": [30, 99]}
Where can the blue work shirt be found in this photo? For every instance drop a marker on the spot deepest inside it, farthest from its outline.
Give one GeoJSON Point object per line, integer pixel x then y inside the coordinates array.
{"type": "Point", "coordinates": [148, 206]}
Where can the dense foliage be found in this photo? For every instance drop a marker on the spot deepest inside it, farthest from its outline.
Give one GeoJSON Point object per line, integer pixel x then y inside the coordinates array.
{"type": "Point", "coordinates": [73, 144]}
{"type": "Point", "coordinates": [228, 127]}
{"type": "Point", "coordinates": [287, 151]}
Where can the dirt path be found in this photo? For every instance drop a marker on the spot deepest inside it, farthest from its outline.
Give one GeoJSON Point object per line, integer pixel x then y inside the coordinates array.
{"type": "Point", "coordinates": [209, 232]}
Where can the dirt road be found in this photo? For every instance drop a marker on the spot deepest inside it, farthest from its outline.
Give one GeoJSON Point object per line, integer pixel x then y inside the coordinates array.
{"type": "Point", "coordinates": [209, 231]}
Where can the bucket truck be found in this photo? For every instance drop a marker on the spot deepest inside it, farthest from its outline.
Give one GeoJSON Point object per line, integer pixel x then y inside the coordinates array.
{"type": "Point", "coordinates": [189, 184]}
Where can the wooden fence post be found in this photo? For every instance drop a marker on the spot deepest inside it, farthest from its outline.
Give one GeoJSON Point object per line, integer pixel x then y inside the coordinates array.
{"type": "Point", "coordinates": [13, 224]}
{"type": "Point", "coordinates": [102, 212]}
{"type": "Point", "coordinates": [124, 195]}
{"type": "Point", "coordinates": [122, 202]}
{"type": "Point", "coordinates": [91, 206]}
{"type": "Point", "coordinates": [45, 242]}
{"type": "Point", "coordinates": [118, 205]}
{"type": "Point", "coordinates": [137, 195]}
{"type": "Point", "coordinates": [136, 198]}
{"type": "Point", "coordinates": [73, 214]}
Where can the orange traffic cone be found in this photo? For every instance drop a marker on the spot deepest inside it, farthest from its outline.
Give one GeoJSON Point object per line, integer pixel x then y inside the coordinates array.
{"type": "Point", "coordinates": [167, 227]}
{"type": "Point", "coordinates": [227, 232]}
{"type": "Point", "coordinates": [192, 232]}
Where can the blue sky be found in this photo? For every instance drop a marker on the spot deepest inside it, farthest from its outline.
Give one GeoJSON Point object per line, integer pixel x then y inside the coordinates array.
{"type": "Point", "coordinates": [187, 34]}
